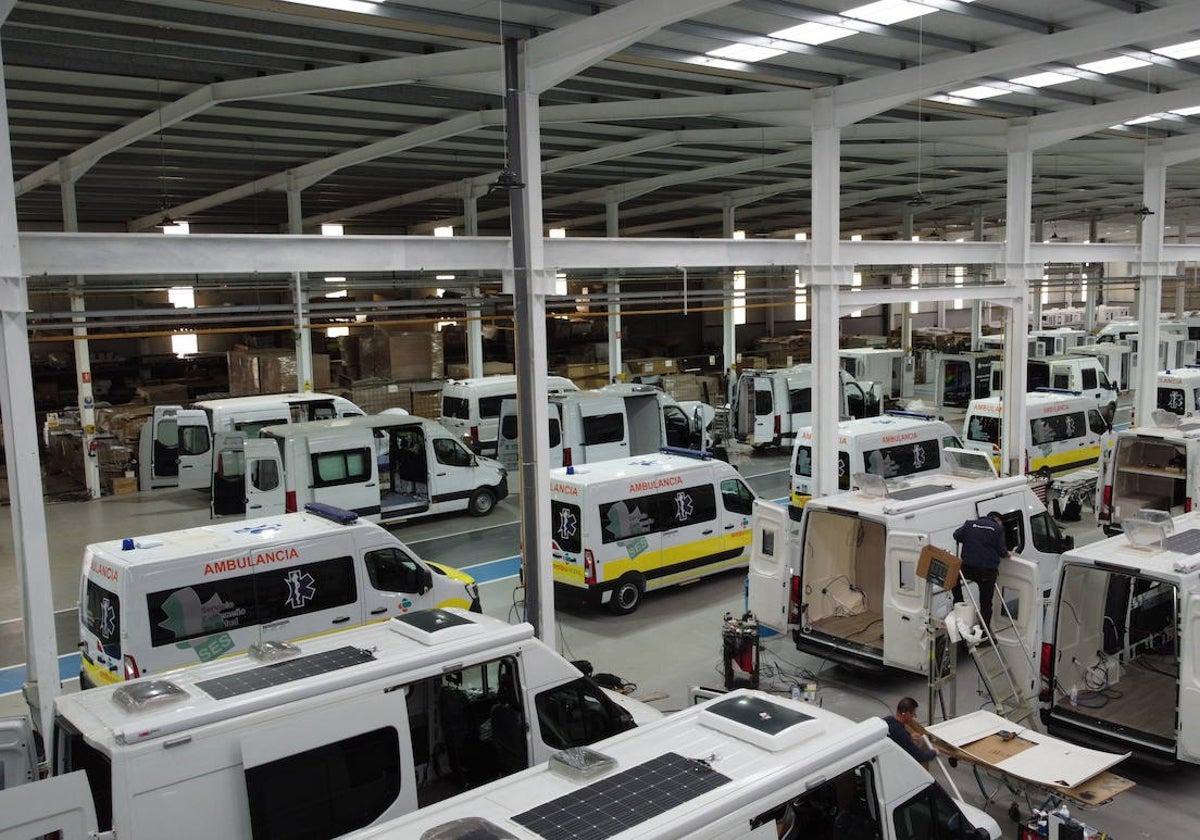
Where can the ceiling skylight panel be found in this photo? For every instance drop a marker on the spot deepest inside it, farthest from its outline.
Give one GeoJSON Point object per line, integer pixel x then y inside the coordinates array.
{"type": "Point", "coordinates": [1179, 51]}
{"type": "Point", "coordinates": [1045, 79]}
{"type": "Point", "coordinates": [745, 52]}
{"type": "Point", "coordinates": [813, 33]}
{"type": "Point", "coordinates": [885, 12]}
{"type": "Point", "coordinates": [1187, 112]}
{"type": "Point", "coordinates": [979, 92]}
{"type": "Point", "coordinates": [1113, 65]}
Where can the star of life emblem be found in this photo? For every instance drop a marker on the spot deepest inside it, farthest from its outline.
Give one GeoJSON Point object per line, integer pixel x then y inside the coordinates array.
{"type": "Point", "coordinates": [683, 506]}
{"type": "Point", "coordinates": [301, 588]}
{"type": "Point", "coordinates": [108, 619]}
{"type": "Point", "coordinates": [918, 456]}
{"type": "Point", "coordinates": [568, 524]}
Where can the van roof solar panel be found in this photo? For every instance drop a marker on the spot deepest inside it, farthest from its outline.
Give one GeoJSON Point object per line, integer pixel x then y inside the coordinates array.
{"type": "Point", "coordinates": [279, 673]}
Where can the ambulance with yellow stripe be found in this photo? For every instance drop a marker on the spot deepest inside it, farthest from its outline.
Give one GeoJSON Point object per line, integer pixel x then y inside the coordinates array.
{"type": "Point", "coordinates": [624, 527]}
{"type": "Point", "coordinates": [1066, 430]}
{"type": "Point", "coordinates": [150, 603]}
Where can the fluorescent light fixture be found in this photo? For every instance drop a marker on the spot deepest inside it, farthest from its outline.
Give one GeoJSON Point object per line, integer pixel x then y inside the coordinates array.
{"type": "Point", "coordinates": [448, 230]}
{"type": "Point", "coordinates": [558, 233]}
{"type": "Point", "coordinates": [813, 33]}
{"type": "Point", "coordinates": [1187, 112]}
{"type": "Point", "coordinates": [333, 230]}
{"type": "Point", "coordinates": [335, 279]}
{"type": "Point", "coordinates": [857, 237]}
{"type": "Point", "coordinates": [1185, 50]}
{"type": "Point", "coordinates": [856, 283]}
{"type": "Point", "coordinates": [560, 283]}
{"type": "Point", "coordinates": [177, 229]}
{"type": "Point", "coordinates": [1149, 118]}
{"type": "Point", "coordinates": [340, 293]}
{"type": "Point", "coordinates": [336, 332]}
{"type": "Point", "coordinates": [801, 237]}
{"type": "Point", "coordinates": [1118, 64]}
{"type": "Point", "coordinates": [745, 52]}
{"type": "Point", "coordinates": [739, 234]}
{"type": "Point", "coordinates": [182, 297]}
{"type": "Point", "coordinates": [443, 277]}
{"type": "Point", "coordinates": [979, 92]}
{"type": "Point", "coordinates": [889, 11]}
{"type": "Point", "coordinates": [184, 345]}
{"type": "Point", "coordinates": [739, 296]}
{"type": "Point", "coordinates": [1044, 79]}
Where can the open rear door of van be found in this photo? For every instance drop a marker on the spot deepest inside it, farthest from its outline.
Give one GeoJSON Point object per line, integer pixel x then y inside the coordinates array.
{"type": "Point", "coordinates": [1189, 678]}
{"type": "Point", "coordinates": [770, 569]}
{"type": "Point", "coordinates": [605, 429]}
{"type": "Point", "coordinates": [228, 494]}
{"type": "Point", "coordinates": [1021, 641]}
{"type": "Point", "coordinates": [263, 486]}
{"type": "Point", "coordinates": [904, 638]}
{"type": "Point", "coordinates": [195, 449]}
{"type": "Point", "coordinates": [60, 807]}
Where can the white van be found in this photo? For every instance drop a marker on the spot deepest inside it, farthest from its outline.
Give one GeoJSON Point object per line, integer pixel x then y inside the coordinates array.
{"type": "Point", "coordinates": [1152, 466]}
{"type": "Point", "coordinates": [959, 378]}
{"type": "Point", "coordinates": [1116, 357]}
{"type": "Point", "coordinates": [332, 735]}
{"type": "Point", "coordinates": [471, 407]}
{"type": "Point", "coordinates": [1120, 667]}
{"type": "Point", "coordinates": [1066, 430]}
{"type": "Point", "coordinates": [175, 447]}
{"type": "Point", "coordinates": [387, 468]}
{"type": "Point", "coordinates": [768, 407]}
{"type": "Point", "coordinates": [844, 580]}
{"type": "Point", "coordinates": [893, 445]}
{"type": "Point", "coordinates": [627, 526]}
{"type": "Point", "coordinates": [165, 600]}
{"type": "Point", "coordinates": [612, 422]}
{"type": "Point", "coordinates": [1179, 390]}
{"type": "Point", "coordinates": [1072, 373]}
{"type": "Point", "coordinates": [886, 365]}
{"type": "Point", "coordinates": [743, 766]}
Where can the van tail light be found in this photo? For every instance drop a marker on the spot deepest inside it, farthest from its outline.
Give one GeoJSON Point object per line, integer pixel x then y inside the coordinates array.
{"type": "Point", "coordinates": [132, 672]}
{"type": "Point", "coordinates": [1187, 505]}
{"type": "Point", "coordinates": [793, 612]}
{"type": "Point", "coordinates": [1046, 695]}
{"type": "Point", "coordinates": [567, 457]}
{"type": "Point", "coordinates": [778, 425]}
{"type": "Point", "coordinates": [475, 438]}
{"type": "Point", "coordinates": [290, 502]}
{"type": "Point", "coordinates": [1106, 503]}
{"type": "Point", "coordinates": [589, 567]}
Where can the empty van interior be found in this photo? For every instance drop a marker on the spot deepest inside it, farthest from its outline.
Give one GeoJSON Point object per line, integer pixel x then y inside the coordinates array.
{"type": "Point", "coordinates": [1116, 650]}
{"type": "Point", "coordinates": [1150, 474]}
{"type": "Point", "coordinates": [843, 577]}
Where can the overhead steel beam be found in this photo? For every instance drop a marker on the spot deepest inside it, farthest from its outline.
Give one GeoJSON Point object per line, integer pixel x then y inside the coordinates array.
{"type": "Point", "coordinates": [1050, 129]}
{"type": "Point", "coordinates": [851, 300]}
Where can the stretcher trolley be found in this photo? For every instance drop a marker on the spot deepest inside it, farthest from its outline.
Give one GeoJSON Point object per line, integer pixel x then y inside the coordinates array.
{"type": "Point", "coordinates": [1035, 766]}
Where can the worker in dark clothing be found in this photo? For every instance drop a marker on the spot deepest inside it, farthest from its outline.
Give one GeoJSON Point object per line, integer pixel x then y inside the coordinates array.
{"type": "Point", "coordinates": [983, 546]}
{"type": "Point", "coordinates": [898, 731]}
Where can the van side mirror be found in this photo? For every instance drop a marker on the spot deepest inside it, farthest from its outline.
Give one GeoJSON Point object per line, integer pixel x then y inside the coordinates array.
{"type": "Point", "coordinates": [1067, 542]}
{"type": "Point", "coordinates": [426, 581]}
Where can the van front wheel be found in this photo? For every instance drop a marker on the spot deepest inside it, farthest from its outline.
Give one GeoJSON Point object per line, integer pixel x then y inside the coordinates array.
{"type": "Point", "coordinates": [627, 597]}
{"type": "Point", "coordinates": [482, 502]}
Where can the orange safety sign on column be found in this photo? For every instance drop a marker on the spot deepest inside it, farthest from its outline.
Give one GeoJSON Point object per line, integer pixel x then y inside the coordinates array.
{"type": "Point", "coordinates": [85, 376]}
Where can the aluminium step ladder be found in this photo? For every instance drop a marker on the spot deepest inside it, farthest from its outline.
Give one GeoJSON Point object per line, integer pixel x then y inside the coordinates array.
{"type": "Point", "coordinates": [994, 671]}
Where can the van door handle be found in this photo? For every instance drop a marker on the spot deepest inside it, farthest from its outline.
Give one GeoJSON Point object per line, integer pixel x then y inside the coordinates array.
{"type": "Point", "coordinates": [706, 533]}
{"type": "Point", "coordinates": [730, 526]}
{"type": "Point", "coordinates": [379, 611]}
{"type": "Point", "coordinates": [341, 619]}
{"type": "Point", "coordinates": [439, 473]}
{"type": "Point", "coordinates": [272, 625]}
{"type": "Point", "coordinates": [557, 554]}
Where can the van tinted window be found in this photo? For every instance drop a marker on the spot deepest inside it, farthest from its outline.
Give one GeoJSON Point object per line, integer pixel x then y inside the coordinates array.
{"type": "Point", "coordinates": [451, 453]}
{"type": "Point", "coordinates": [804, 465]}
{"type": "Point", "coordinates": [763, 404]}
{"type": "Point", "coordinates": [456, 407]}
{"type": "Point", "coordinates": [347, 466]}
{"type": "Point", "coordinates": [1057, 428]}
{"type": "Point", "coordinates": [102, 616]}
{"type": "Point", "coordinates": [603, 428]}
{"type": "Point", "coordinates": [984, 429]}
{"type": "Point", "coordinates": [489, 407]}
{"type": "Point", "coordinates": [253, 427]}
{"type": "Point", "coordinates": [327, 791]}
{"type": "Point", "coordinates": [565, 522]}
{"type": "Point", "coordinates": [228, 603]}
{"type": "Point", "coordinates": [264, 475]}
{"type": "Point", "coordinates": [578, 713]}
{"type": "Point", "coordinates": [391, 570]}
{"type": "Point", "coordinates": [1096, 422]}
{"type": "Point", "coordinates": [800, 400]}
{"type": "Point", "coordinates": [1089, 379]}
{"type": "Point", "coordinates": [193, 440]}
{"type": "Point", "coordinates": [906, 459]}
{"type": "Point", "coordinates": [1173, 399]}
{"type": "Point", "coordinates": [658, 512]}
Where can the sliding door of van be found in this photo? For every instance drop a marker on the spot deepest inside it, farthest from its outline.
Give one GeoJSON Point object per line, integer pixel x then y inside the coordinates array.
{"type": "Point", "coordinates": [263, 480]}
{"type": "Point", "coordinates": [605, 434]}
{"type": "Point", "coordinates": [343, 471]}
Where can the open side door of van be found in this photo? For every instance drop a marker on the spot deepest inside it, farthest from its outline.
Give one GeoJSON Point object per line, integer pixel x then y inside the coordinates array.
{"type": "Point", "coordinates": [158, 445]}
{"type": "Point", "coordinates": [264, 493]}
{"type": "Point", "coordinates": [1189, 678]}
{"type": "Point", "coordinates": [60, 806]}
{"type": "Point", "coordinates": [228, 494]}
{"type": "Point", "coordinates": [770, 571]}
{"type": "Point", "coordinates": [1017, 585]}
{"type": "Point", "coordinates": [904, 636]}
{"type": "Point", "coordinates": [195, 449]}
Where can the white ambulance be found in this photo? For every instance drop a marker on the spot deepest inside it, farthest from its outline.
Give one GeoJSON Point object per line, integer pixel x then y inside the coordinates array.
{"type": "Point", "coordinates": [1179, 390]}
{"type": "Point", "coordinates": [1121, 669]}
{"type": "Point", "coordinates": [893, 445]}
{"type": "Point", "coordinates": [1156, 466]}
{"type": "Point", "coordinates": [744, 766]}
{"type": "Point", "coordinates": [1066, 430]}
{"type": "Point", "coordinates": [623, 527]}
{"type": "Point", "coordinates": [768, 407]}
{"type": "Point", "coordinates": [176, 444]}
{"type": "Point", "coordinates": [322, 738]}
{"type": "Point", "coordinates": [843, 581]}
{"type": "Point", "coordinates": [471, 407]}
{"type": "Point", "coordinates": [160, 601]}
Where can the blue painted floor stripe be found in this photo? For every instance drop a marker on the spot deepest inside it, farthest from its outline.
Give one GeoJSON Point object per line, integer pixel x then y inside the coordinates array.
{"type": "Point", "coordinates": [13, 677]}
{"type": "Point", "coordinates": [495, 569]}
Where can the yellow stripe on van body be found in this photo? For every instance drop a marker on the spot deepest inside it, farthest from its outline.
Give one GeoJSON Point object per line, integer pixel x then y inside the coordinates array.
{"type": "Point", "coordinates": [98, 675]}
{"type": "Point", "coordinates": [1060, 461]}
{"type": "Point", "coordinates": [453, 574]}
{"type": "Point", "coordinates": [675, 555]}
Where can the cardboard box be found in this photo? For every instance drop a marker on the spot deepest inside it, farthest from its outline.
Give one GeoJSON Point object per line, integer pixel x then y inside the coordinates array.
{"type": "Point", "coordinates": [402, 356]}
{"type": "Point", "coordinates": [659, 365]}
{"type": "Point", "coordinates": [124, 484]}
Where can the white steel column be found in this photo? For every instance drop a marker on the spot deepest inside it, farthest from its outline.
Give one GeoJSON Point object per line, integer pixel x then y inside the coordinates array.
{"type": "Point", "coordinates": [826, 273]}
{"type": "Point", "coordinates": [1154, 188]}
{"type": "Point", "coordinates": [474, 312]}
{"type": "Point", "coordinates": [977, 271]}
{"type": "Point", "coordinates": [532, 283]}
{"type": "Point", "coordinates": [30, 545]}
{"type": "Point", "coordinates": [612, 229]}
{"type": "Point", "coordinates": [304, 364]}
{"type": "Point", "coordinates": [83, 356]}
{"type": "Point", "coordinates": [906, 319]}
{"type": "Point", "coordinates": [728, 328]}
{"type": "Point", "coordinates": [1093, 295]}
{"type": "Point", "coordinates": [1020, 273]}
